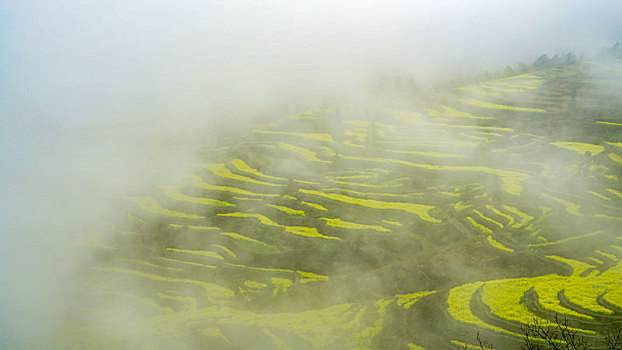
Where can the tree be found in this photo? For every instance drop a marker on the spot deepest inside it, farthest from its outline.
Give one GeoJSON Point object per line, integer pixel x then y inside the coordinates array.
{"type": "Point", "coordinates": [558, 336]}
{"type": "Point", "coordinates": [542, 62]}
{"type": "Point", "coordinates": [616, 50]}
{"type": "Point", "coordinates": [522, 67]}
{"type": "Point", "coordinates": [571, 58]}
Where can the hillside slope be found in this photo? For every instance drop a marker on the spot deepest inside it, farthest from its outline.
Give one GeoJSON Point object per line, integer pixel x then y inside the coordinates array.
{"type": "Point", "coordinates": [389, 228]}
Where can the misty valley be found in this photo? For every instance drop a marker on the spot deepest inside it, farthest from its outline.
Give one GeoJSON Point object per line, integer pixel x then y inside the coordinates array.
{"type": "Point", "coordinates": [410, 225]}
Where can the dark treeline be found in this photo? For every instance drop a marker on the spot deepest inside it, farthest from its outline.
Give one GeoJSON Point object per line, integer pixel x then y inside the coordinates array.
{"type": "Point", "coordinates": [409, 85]}
{"type": "Point", "coordinates": [614, 51]}
{"type": "Point", "coordinates": [543, 62]}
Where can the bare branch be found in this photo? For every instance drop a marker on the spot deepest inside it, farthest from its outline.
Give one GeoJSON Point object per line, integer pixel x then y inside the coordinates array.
{"type": "Point", "coordinates": [483, 344]}
{"type": "Point", "coordinates": [613, 340]}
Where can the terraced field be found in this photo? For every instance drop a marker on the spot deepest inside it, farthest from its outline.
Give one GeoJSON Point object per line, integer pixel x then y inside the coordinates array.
{"type": "Point", "coordinates": [404, 227]}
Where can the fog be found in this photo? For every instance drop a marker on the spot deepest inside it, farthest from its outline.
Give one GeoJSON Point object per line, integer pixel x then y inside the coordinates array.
{"type": "Point", "coordinates": [104, 100]}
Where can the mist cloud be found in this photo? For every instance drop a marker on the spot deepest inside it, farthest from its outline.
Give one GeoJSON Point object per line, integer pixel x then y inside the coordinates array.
{"type": "Point", "coordinates": [93, 95]}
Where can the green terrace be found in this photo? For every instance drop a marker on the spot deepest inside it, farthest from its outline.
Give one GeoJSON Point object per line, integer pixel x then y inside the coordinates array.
{"type": "Point", "coordinates": [408, 227]}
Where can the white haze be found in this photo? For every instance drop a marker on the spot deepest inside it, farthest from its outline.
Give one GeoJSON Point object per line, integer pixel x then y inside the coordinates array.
{"type": "Point", "coordinates": [94, 96]}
